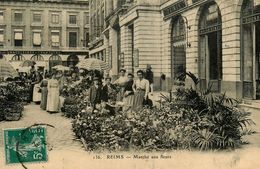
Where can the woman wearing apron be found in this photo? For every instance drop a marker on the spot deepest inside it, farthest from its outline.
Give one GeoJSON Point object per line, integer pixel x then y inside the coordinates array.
{"type": "Point", "coordinates": [44, 89]}
{"type": "Point", "coordinates": [141, 88]}
{"type": "Point", "coordinates": [53, 95]}
{"type": "Point", "coordinates": [129, 94]}
{"type": "Point", "coordinates": [36, 89]}
{"type": "Point", "coordinates": [121, 81]}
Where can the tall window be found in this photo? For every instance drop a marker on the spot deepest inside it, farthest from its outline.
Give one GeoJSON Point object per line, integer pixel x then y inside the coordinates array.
{"type": "Point", "coordinates": [18, 16]}
{"type": "Point", "coordinates": [86, 39]}
{"type": "Point", "coordinates": [37, 39]}
{"type": "Point", "coordinates": [55, 18]}
{"type": "Point", "coordinates": [72, 19]}
{"type": "Point", "coordinates": [18, 37]}
{"type": "Point", "coordinates": [1, 37]}
{"type": "Point", "coordinates": [72, 39]}
{"type": "Point", "coordinates": [55, 38]}
{"type": "Point", "coordinates": [178, 49]}
{"type": "Point", "coordinates": [86, 18]}
{"type": "Point", "coordinates": [1, 17]}
{"type": "Point", "coordinates": [54, 60]}
{"type": "Point", "coordinates": [37, 18]}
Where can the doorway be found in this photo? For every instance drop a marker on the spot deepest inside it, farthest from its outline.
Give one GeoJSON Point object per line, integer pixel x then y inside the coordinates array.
{"type": "Point", "coordinates": [210, 48]}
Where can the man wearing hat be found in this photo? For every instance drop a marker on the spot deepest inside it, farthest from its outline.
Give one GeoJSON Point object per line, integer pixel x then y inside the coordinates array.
{"type": "Point", "coordinates": [108, 90]}
{"type": "Point", "coordinates": [149, 76]}
{"type": "Point", "coordinates": [121, 82]}
{"type": "Point", "coordinates": [95, 93]}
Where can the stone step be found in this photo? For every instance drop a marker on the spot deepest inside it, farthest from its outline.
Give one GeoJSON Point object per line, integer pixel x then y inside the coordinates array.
{"type": "Point", "coordinates": [252, 104]}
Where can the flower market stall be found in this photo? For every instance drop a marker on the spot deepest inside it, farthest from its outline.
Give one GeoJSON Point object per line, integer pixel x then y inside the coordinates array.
{"type": "Point", "coordinates": [192, 120]}
{"type": "Point", "coordinates": [13, 93]}
{"type": "Point", "coordinates": [11, 100]}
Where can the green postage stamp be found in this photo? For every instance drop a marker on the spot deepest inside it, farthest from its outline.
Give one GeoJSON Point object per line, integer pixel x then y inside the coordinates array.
{"type": "Point", "coordinates": [25, 145]}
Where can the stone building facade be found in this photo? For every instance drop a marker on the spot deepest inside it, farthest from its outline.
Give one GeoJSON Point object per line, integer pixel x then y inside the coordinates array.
{"type": "Point", "coordinates": [216, 40]}
{"type": "Point", "coordinates": [49, 32]}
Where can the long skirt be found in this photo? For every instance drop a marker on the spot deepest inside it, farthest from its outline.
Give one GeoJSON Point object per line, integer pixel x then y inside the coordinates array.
{"type": "Point", "coordinates": [128, 102]}
{"type": "Point", "coordinates": [44, 98]}
{"type": "Point", "coordinates": [138, 100]}
{"type": "Point", "coordinates": [120, 94]}
{"type": "Point", "coordinates": [36, 93]}
{"type": "Point", "coordinates": [53, 100]}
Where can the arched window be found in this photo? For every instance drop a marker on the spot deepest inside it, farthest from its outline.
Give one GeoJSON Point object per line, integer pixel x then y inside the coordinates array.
{"type": "Point", "coordinates": [72, 60]}
{"type": "Point", "coordinates": [54, 60]}
{"type": "Point", "coordinates": [210, 47]}
{"type": "Point", "coordinates": [178, 30]}
{"type": "Point", "coordinates": [37, 57]}
{"type": "Point", "coordinates": [178, 40]}
{"type": "Point", "coordinates": [18, 57]}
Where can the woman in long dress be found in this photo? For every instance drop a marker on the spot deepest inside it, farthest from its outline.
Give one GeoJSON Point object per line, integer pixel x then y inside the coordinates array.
{"type": "Point", "coordinates": [129, 94]}
{"type": "Point", "coordinates": [141, 88]}
{"type": "Point", "coordinates": [121, 82]}
{"type": "Point", "coordinates": [63, 81]}
{"type": "Point", "coordinates": [36, 89]}
{"type": "Point", "coordinates": [53, 95]}
{"type": "Point", "coordinates": [44, 85]}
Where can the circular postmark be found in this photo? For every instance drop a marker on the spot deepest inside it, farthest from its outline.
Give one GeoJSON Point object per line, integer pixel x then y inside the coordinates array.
{"type": "Point", "coordinates": [31, 145]}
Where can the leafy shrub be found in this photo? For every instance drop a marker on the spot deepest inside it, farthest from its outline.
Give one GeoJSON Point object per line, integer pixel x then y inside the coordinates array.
{"type": "Point", "coordinates": [75, 98]}
{"type": "Point", "coordinates": [11, 101]}
{"type": "Point", "coordinates": [192, 120]}
{"type": "Point", "coordinates": [218, 123]}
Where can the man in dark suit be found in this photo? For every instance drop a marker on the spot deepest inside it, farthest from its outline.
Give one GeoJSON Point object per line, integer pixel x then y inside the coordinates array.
{"type": "Point", "coordinates": [95, 93]}
{"type": "Point", "coordinates": [108, 90]}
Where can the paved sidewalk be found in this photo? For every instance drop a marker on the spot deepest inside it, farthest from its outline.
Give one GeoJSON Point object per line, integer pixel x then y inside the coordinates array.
{"type": "Point", "coordinates": [59, 138]}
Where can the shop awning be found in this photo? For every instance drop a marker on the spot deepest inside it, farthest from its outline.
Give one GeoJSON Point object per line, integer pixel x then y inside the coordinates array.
{"type": "Point", "coordinates": [37, 40]}
{"type": "Point", "coordinates": [18, 35]}
{"type": "Point", "coordinates": [55, 38]}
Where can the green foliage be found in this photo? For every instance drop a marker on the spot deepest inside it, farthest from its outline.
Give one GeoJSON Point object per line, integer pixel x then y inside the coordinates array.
{"type": "Point", "coordinates": [76, 98]}
{"type": "Point", "coordinates": [220, 124]}
{"type": "Point", "coordinates": [191, 119]}
{"type": "Point", "coordinates": [11, 102]}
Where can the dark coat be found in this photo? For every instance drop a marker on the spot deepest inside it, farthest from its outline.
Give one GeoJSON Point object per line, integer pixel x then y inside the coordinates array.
{"type": "Point", "coordinates": [129, 87]}
{"type": "Point", "coordinates": [149, 76]}
{"type": "Point", "coordinates": [105, 95]}
{"type": "Point", "coordinates": [95, 94]}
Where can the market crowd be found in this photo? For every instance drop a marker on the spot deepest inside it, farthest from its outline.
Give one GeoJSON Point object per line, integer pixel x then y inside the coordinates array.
{"type": "Point", "coordinates": [127, 92]}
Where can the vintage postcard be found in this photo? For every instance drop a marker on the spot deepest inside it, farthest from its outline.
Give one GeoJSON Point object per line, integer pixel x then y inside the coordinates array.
{"type": "Point", "coordinates": [138, 84]}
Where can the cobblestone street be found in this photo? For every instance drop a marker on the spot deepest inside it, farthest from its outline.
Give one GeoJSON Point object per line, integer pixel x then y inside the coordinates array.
{"type": "Point", "coordinates": [65, 152]}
